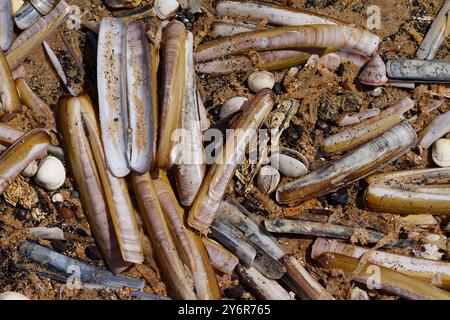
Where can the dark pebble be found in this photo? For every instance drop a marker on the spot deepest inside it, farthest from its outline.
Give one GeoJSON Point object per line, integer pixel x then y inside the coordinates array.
{"type": "Point", "coordinates": [93, 253]}
{"type": "Point", "coordinates": [74, 194]}
{"type": "Point", "coordinates": [234, 292]}
{"type": "Point", "coordinates": [339, 197]}
{"type": "Point", "coordinates": [21, 214]}
{"type": "Point", "coordinates": [81, 232]}
{"type": "Point", "coordinates": [66, 213]}
{"type": "Point", "coordinates": [216, 111]}
{"type": "Point", "coordinates": [277, 88]}
{"type": "Point", "coordinates": [340, 70]}
{"type": "Point", "coordinates": [58, 245]}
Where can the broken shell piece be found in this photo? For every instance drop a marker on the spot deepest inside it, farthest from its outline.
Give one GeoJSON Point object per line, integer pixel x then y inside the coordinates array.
{"type": "Point", "coordinates": [231, 106]}
{"type": "Point", "coordinates": [441, 152]}
{"type": "Point", "coordinates": [47, 233]}
{"type": "Point", "coordinates": [30, 170]}
{"type": "Point", "coordinates": [44, 6]}
{"type": "Point", "coordinates": [261, 80]}
{"type": "Point", "coordinates": [288, 166]}
{"type": "Point", "coordinates": [123, 4]}
{"type": "Point", "coordinates": [374, 73]}
{"type": "Point", "coordinates": [268, 179]}
{"type": "Point", "coordinates": [11, 295]}
{"type": "Point", "coordinates": [358, 294]}
{"type": "Point", "coordinates": [57, 197]}
{"type": "Point", "coordinates": [51, 173]}
{"type": "Point", "coordinates": [166, 8]}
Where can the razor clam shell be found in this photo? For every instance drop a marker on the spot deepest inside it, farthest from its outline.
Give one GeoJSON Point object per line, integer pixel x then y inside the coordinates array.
{"type": "Point", "coordinates": [190, 168]}
{"type": "Point", "coordinates": [319, 229]}
{"type": "Point", "coordinates": [141, 100]}
{"type": "Point", "coordinates": [8, 92]}
{"type": "Point", "coordinates": [112, 95]}
{"type": "Point", "coordinates": [173, 87]}
{"type": "Point", "coordinates": [6, 24]}
{"type": "Point", "coordinates": [221, 259]}
{"type": "Point", "coordinates": [87, 179]}
{"type": "Point", "coordinates": [425, 269]}
{"type": "Point", "coordinates": [273, 13]}
{"type": "Point", "coordinates": [435, 35]}
{"type": "Point", "coordinates": [352, 167]}
{"type": "Point", "coordinates": [227, 29]}
{"type": "Point", "coordinates": [47, 233]}
{"type": "Point", "coordinates": [32, 37]}
{"type": "Point", "coordinates": [261, 286]}
{"type": "Point", "coordinates": [88, 273]}
{"type": "Point", "coordinates": [222, 171]}
{"type": "Point", "coordinates": [231, 238]}
{"type": "Point", "coordinates": [203, 114]}
{"type": "Point", "coordinates": [291, 38]}
{"type": "Point", "coordinates": [142, 295]}
{"type": "Point", "coordinates": [123, 4]}
{"type": "Point", "coordinates": [26, 16]}
{"type": "Point", "coordinates": [30, 146]}
{"type": "Point", "coordinates": [351, 119]}
{"type": "Point", "coordinates": [158, 230]}
{"type": "Point", "coordinates": [419, 70]}
{"type": "Point", "coordinates": [438, 128]}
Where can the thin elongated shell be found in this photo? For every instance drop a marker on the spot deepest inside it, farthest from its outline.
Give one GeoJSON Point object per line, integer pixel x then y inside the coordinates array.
{"type": "Point", "coordinates": [189, 244]}
{"type": "Point", "coordinates": [111, 79]}
{"type": "Point", "coordinates": [9, 97]}
{"type": "Point", "coordinates": [6, 24]}
{"type": "Point", "coordinates": [216, 182]}
{"type": "Point", "coordinates": [88, 181]}
{"type": "Point", "coordinates": [389, 280]}
{"type": "Point", "coordinates": [439, 127]}
{"type": "Point", "coordinates": [31, 146]}
{"type": "Point", "coordinates": [123, 4]}
{"type": "Point", "coordinates": [161, 238]}
{"type": "Point", "coordinates": [411, 191]}
{"type": "Point", "coordinates": [141, 98]}
{"type": "Point", "coordinates": [273, 13]}
{"type": "Point", "coordinates": [221, 259]}
{"type": "Point", "coordinates": [30, 39]}
{"type": "Point", "coordinates": [174, 35]}
{"type": "Point", "coordinates": [353, 166]}
{"type": "Point", "coordinates": [325, 38]}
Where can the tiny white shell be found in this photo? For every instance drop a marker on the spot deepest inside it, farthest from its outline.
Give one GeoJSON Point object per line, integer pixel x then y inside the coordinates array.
{"type": "Point", "coordinates": [51, 173]}
{"type": "Point", "coordinates": [10, 295]}
{"type": "Point", "coordinates": [57, 197]}
{"type": "Point", "coordinates": [441, 152]}
{"type": "Point", "coordinates": [166, 8]}
{"type": "Point", "coordinates": [30, 170]}
{"type": "Point", "coordinates": [231, 106]}
{"type": "Point", "coordinates": [358, 294]}
{"type": "Point", "coordinates": [288, 166]}
{"type": "Point", "coordinates": [268, 179]}
{"type": "Point", "coordinates": [260, 80]}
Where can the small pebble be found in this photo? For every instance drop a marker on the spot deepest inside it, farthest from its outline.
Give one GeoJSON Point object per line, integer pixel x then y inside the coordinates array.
{"type": "Point", "coordinates": [340, 70]}
{"type": "Point", "coordinates": [277, 88]}
{"type": "Point", "coordinates": [234, 292]}
{"type": "Point", "coordinates": [66, 213]}
{"type": "Point", "coordinates": [93, 253]}
{"type": "Point", "coordinates": [58, 245]}
{"type": "Point", "coordinates": [376, 92]}
{"type": "Point", "coordinates": [339, 197]}
{"type": "Point", "coordinates": [21, 214]}
{"type": "Point", "coordinates": [57, 197]}
{"type": "Point", "coordinates": [74, 194]}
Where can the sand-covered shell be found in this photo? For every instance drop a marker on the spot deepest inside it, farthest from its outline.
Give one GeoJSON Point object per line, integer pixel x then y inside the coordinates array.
{"type": "Point", "coordinates": [441, 152]}
{"type": "Point", "coordinates": [166, 8]}
{"type": "Point", "coordinates": [288, 166]}
{"type": "Point", "coordinates": [260, 80]}
{"type": "Point", "coordinates": [268, 179]}
{"type": "Point", "coordinates": [374, 72]}
{"type": "Point", "coordinates": [30, 170]}
{"type": "Point", "coordinates": [231, 106]}
{"type": "Point", "coordinates": [51, 173]}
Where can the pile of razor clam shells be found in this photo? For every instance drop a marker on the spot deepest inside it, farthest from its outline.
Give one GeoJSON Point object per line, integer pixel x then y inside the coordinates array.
{"type": "Point", "coordinates": [195, 149]}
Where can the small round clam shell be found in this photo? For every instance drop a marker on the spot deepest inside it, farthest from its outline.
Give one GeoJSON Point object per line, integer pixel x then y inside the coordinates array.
{"type": "Point", "coordinates": [231, 106]}
{"type": "Point", "coordinates": [441, 152]}
{"type": "Point", "coordinates": [288, 166]}
{"type": "Point", "coordinates": [261, 80]}
{"type": "Point", "coordinates": [374, 72]}
{"type": "Point", "coordinates": [51, 173]}
{"type": "Point", "coordinates": [30, 170]}
{"type": "Point", "coordinates": [268, 179]}
{"type": "Point", "coordinates": [26, 16]}
{"type": "Point", "coordinates": [165, 8]}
